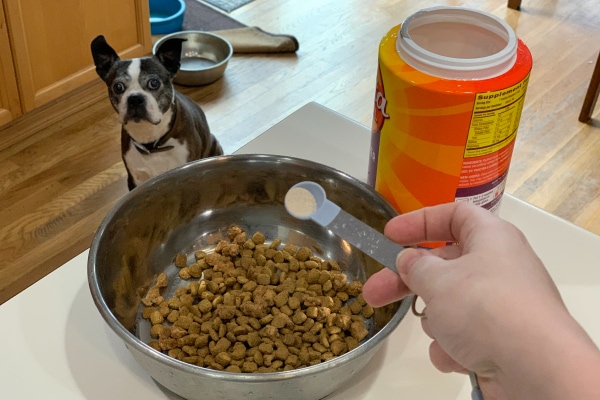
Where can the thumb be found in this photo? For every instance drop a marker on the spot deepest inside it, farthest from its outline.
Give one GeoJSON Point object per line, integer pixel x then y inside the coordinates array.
{"type": "Point", "coordinates": [419, 270]}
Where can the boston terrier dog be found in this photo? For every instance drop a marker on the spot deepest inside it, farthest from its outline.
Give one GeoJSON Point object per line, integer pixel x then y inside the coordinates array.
{"type": "Point", "coordinates": [162, 128]}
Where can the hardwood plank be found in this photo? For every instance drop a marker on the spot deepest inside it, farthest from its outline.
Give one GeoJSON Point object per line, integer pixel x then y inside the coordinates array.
{"type": "Point", "coordinates": [68, 222]}
{"type": "Point", "coordinates": [589, 216]}
{"type": "Point", "coordinates": [60, 168]}
{"type": "Point", "coordinates": [15, 134]}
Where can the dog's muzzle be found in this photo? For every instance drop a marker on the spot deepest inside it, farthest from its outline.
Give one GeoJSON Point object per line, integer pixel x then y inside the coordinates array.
{"type": "Point", "coordinates": [136, 107]}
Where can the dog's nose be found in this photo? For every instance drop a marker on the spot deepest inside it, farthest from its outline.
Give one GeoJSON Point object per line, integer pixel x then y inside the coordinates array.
{"type": "Point", "coordinates": [135, 100]}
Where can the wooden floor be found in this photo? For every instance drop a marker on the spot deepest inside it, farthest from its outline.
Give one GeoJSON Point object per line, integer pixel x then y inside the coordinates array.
{"type": "Point", "coordinates": [57, 185]}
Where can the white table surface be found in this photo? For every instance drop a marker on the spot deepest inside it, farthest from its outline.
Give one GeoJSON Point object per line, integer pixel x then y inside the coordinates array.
{"type": "Point", "coordinates": [55, 345]}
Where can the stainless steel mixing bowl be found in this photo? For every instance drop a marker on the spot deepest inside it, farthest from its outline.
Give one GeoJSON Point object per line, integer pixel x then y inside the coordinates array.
{"type": "Point", "coordinates": [190, 208]}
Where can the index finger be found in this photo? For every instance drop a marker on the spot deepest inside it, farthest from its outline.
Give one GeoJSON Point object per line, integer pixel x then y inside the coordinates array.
{"type": "Point", "coordinates": [451, 222]}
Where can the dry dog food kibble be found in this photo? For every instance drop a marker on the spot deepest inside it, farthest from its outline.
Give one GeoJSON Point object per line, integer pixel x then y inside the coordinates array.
{"type": "Point", "coordinates": [258, 308]}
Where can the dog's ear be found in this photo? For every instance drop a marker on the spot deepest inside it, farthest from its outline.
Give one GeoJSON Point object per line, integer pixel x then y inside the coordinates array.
{"type": "Point", "coordinates": [169, 54]}
{"type": "Point", "coordinates": [104, 56]}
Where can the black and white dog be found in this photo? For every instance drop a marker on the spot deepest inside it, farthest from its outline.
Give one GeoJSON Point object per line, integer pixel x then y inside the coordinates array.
{"type": "Point", "coordinates": [162, 128]}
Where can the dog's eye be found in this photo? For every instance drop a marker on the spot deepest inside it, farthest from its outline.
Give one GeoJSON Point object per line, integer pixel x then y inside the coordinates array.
{"type": "Point", "coordinates": [153, 84]}
{"type": "Point", "coordinates": [119, 88]}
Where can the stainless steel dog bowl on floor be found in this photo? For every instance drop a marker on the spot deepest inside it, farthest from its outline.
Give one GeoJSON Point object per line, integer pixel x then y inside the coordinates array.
{"type": "Point", "coordinates": [204, 57]}
{"type": "Point", "coordinates": [189, 209]}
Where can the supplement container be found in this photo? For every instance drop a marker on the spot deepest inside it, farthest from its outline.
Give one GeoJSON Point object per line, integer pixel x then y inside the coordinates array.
{"type": "Point", "coordinates": [450, 90]}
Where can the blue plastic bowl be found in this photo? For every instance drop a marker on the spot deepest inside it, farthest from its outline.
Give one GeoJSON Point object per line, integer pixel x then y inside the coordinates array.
{"type": "Point", "coordinates": [166, 16]}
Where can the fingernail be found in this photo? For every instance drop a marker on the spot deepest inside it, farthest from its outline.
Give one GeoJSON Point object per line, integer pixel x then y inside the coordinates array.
{"type": "Point", "coordinates": [399, 261]}
{"type": "Point", "coordinates": [404, 260]}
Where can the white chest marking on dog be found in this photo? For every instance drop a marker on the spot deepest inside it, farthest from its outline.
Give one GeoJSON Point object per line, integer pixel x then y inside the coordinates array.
{"type": "Point", "coordinates": [146, 166]}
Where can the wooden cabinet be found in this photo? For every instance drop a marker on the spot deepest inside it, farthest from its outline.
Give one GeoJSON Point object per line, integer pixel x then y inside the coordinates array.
{"type": "Point", "coordinates": [45, 46]}
{"type": "Point", "coordinates": [10, 107]}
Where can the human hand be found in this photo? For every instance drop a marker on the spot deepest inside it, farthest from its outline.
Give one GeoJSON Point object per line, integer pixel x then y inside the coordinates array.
{"type": "Point", "coordinates": [491, 306]}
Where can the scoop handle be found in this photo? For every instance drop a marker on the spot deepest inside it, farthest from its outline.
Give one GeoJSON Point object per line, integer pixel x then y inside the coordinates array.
{"type": "Point", "coordinates": [366, 239]}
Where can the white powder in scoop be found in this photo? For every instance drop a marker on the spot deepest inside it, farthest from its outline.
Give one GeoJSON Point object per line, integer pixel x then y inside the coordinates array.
{"type": "Point", "coordinates": [300, 202]}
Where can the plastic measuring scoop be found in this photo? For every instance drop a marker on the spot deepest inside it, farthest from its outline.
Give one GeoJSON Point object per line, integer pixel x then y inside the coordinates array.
{"type": "Point", "coordinates": [307, 200]}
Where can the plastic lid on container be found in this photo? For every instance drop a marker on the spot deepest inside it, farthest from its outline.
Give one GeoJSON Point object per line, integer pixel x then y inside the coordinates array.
{"type": "Point", "coordinates": [457, 43]}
